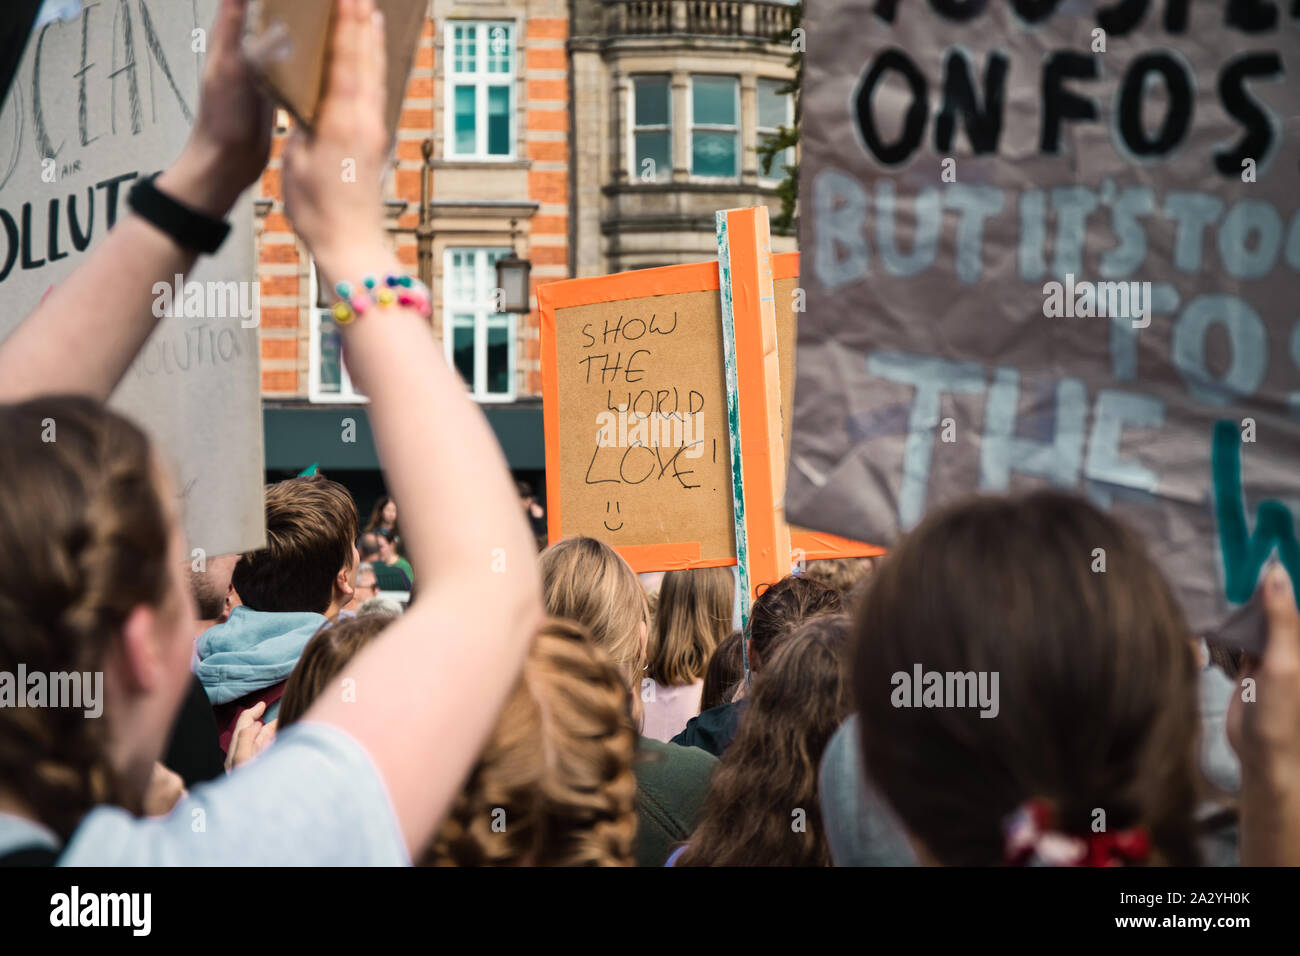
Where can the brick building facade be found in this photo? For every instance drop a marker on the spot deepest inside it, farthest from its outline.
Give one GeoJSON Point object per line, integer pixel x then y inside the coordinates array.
{"type": "Point", "coordinates": [591, 136]}
{"type": "Point", "coordinates": [490, 94]}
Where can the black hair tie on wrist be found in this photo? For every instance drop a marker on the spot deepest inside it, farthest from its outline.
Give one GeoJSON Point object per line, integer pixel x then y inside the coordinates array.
{"type": "Point", "coordinates": [189, 227]}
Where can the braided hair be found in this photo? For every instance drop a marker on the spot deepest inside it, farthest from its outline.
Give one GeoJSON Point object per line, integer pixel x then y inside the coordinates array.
{"type": "Point", "coordinates": [83, 540]}
{"type": "Point", "coordinates": [554, 786]}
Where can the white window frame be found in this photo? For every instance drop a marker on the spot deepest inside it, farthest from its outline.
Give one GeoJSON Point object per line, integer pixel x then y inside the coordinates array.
{"type": "Point", "coordinates": [486, 281]}
{"type": "Point", "coordinates": [347, 394]}
{"type": "Point", "coordinates": [710, 128]}
{"type": "Point", "coordinates": [634, 171]}
{"type": "Point", "coordinates": [481, 79]}
{"type": "Point", "coordinates": [777, 174]}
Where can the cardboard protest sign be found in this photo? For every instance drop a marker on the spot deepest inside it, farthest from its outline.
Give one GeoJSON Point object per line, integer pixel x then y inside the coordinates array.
{"type": "Point", "coordinates": [1045, 244]}
{"type": "Point", "coordinates": [293, 60]}
{"type": "Point", "coordinates": [635, 410]}
{"type": "Point", "coordinates": [99, 102]}
{"type": "Point", "coordinates": [635, 405]}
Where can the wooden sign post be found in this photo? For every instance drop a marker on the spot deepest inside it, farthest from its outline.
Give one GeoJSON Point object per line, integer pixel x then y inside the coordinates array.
{"type": "Point", "coordinates": [665, 392]}
{"type": "Point", "coordinates": [753, 375]}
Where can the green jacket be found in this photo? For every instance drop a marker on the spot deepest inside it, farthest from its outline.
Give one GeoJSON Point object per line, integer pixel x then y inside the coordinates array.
{"type": "Point", "coordinates": [671, 782]}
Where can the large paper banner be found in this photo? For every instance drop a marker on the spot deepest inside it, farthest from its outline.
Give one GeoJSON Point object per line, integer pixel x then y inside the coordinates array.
{"type": "Point", "coordinates": [99, 102]}
{"type": "Point", "coordinates": [638, 446]}
{"type": "Point", "coordinates": [1055, 243]}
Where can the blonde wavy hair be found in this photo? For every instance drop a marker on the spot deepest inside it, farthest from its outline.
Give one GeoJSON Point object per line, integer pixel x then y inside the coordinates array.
{"type": "Point", "coordinates": [693, 618]}
{"type": "Point", "coordinates": [584, 580]}
{"type": "Point", "coordinates": [554, 786]}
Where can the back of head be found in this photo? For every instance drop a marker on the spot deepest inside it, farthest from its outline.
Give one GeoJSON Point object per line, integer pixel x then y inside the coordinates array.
{"type": "Point", "coordinates": [692, 617]}
{"type": "Point", "coordinates": [323, 659]}
{"type": "Point", "coordinates": [783, 606]}
{"type": "Point", "coordinates": [554, 785]}
{"type": "Point", "coordinates": [382, 606]}
{"type": "Point", "coordinates": [769, 773]}
{"type": "Point", "coordinates": [84, 539]}
{"type": "Point", "coordinates": [1093, 696]}
{"type": "Point", "coordinates": [843, 574]}
{"type": "Point", "coordinates": [310, 526]}
{"type": "Point", "coordinates": [584, 580]}
{"type": "Point", "coordinates": [368, 546]}
{"type": "Point", "coordinates": [725, 671]}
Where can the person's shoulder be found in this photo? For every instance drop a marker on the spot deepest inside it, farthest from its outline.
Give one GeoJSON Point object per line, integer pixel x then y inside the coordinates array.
{"type": "Point", "coordinates": [711, 726]}
{"type": "Point", "coordinates": [674, 760]}
{"type": "Point", "coordinates": [315, 779]}
{"type": "Point", "coordinates": [18, 835]}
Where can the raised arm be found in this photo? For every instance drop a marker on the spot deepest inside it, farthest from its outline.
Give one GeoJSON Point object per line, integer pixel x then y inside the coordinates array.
{"type": "Point", "coordinates": [428, 692]}
{"type": "Point", "coordinates": [108, 298]}
{"type": "Point", "coordinates": [1264, 727]}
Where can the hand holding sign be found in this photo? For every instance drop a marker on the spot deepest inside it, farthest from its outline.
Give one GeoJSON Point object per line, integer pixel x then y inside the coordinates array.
{"type": "Point", "coordinates": [1264, 727]}
{"type": "Point", "coordinates": [340, 221]}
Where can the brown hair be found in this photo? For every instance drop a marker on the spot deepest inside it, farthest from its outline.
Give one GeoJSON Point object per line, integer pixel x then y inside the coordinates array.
{"type": "Point", "coordinates": [310, 525]}
{"type": "Point", "coordinates": [767, 779]}
{"type": "Point", "coordinates": [554, 786]}
{"type": "Point", "coordinates": [726, 670]}
{"type": "Point", "coordinates": [84, 539]}
{"type": "Point", "coordinates": [782, 606]}
{"type": "Point", "coordinates": [323, 659]}
{"type": "Point", "coordinates": [585, 580]}
{"type": "Point", "coordinates": [692, 616]}
{"type": "Point", "coordinates": [377, 514]}
{"type": "Point", "coordinates": [1097, 705]}
{"type": "Point", "coordinates": [843, 574]}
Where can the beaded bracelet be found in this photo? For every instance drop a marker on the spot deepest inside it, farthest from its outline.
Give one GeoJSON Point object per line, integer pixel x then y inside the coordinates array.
{"type": "Point", "coordinates": [402, 289]}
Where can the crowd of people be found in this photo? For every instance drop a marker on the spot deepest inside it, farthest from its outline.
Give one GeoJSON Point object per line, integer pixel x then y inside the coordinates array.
{"type": "Point", "coordinates": [275, 708]}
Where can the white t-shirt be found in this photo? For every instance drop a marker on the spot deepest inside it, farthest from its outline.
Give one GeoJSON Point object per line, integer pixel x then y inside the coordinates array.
{"type": "Point", "coordinates": [313, 799]}
{"type": "Point", "coordinates": [668, 712]}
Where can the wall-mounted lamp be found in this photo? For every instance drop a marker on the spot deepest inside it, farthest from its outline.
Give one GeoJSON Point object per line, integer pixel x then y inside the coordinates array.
{"type": "Point", "coordinates": [513, 278]}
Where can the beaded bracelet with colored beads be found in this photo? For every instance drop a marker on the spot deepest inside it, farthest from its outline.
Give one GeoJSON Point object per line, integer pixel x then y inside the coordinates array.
{"type": "Point", "coordinates": [356, 300]}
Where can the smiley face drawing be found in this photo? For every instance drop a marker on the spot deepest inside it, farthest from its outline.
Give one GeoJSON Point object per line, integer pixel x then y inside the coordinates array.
{"type": "Point", "coordinates": [618, 511]}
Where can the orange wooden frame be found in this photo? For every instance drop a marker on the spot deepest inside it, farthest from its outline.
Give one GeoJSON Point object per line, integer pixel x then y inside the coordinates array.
{"type": "Point", "coordinates": [745, 259]}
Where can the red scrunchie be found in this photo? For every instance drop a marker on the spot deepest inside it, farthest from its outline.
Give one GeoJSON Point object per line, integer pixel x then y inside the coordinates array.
{"type": "Point", "coordinates": [1032, 840]}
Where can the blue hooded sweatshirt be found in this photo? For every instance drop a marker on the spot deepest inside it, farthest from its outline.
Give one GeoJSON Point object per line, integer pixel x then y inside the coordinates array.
{"type": "Point", "coordinates": [252, 650]}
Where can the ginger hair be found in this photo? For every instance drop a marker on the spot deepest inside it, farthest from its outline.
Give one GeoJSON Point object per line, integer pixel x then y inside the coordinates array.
{"type": "Point", "coordinates": [554, 785]}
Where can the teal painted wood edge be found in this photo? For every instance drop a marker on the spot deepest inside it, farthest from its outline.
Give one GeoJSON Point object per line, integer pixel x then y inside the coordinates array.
{"type": "Point", "coordinates": [733, 428]}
